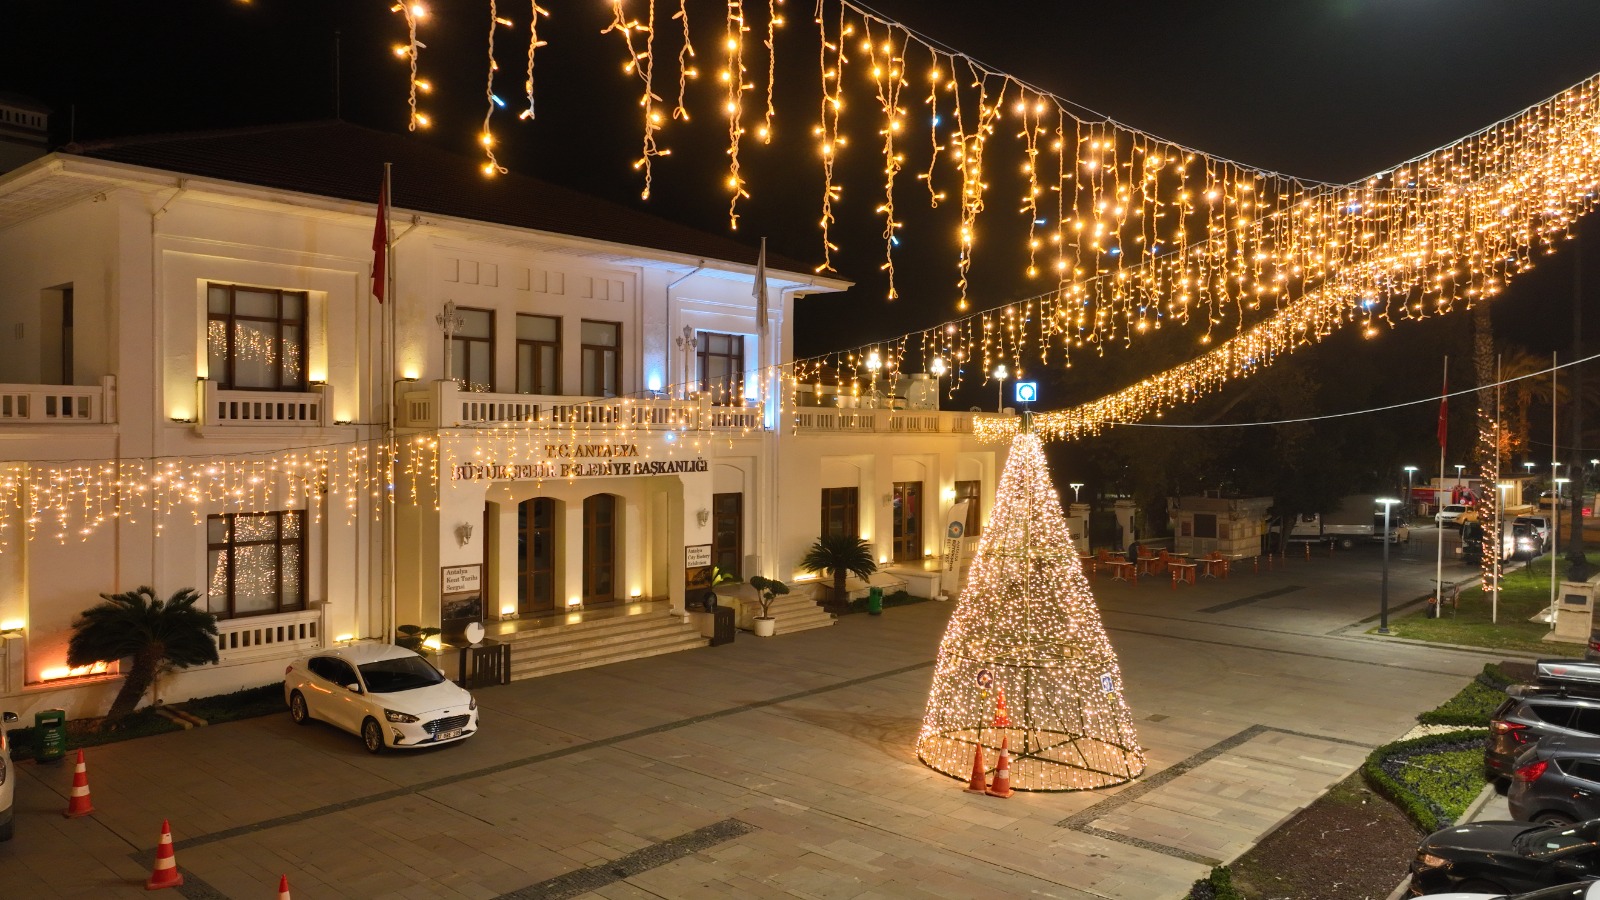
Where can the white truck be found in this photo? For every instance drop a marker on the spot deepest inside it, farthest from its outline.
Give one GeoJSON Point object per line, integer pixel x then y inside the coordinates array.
{"type": "Point", "coordinates": [1357, 519]}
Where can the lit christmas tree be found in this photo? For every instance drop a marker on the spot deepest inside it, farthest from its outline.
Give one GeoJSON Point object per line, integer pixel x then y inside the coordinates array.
{"type": "Point", "coordinates": [1025, 657]}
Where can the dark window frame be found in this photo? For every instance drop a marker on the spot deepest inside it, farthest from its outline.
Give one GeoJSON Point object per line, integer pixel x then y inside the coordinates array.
{"type": "Point", "coordinates": [539, 348]}
{"type": "Point", "coordinates": [594, 370]}
{"type": "Point", "coordinates": [231, 546]}
{"type": "Point", "coordinates": [599, 548]}
{"type": "Point", "coordinates": [728, 391]}
{"type": "Point", "coordinates": [848, 501]}
{"type": "Point", "coordinates": [1202, 532]}
{"type": "Point", "coordinates": [227, 380]}
{"type": "Point", "coordinates": [972, 492]}
{"type": "Point", "coordinates": [908, 544]}
{"type": "Point", "coordinates": [465, 348]}
{"type": "Point", "coordinates": [720, 550]}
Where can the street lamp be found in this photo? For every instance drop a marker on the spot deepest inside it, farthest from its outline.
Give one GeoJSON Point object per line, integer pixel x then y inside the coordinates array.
{"type": "Point", "coordinates": [1459, 467]}
{"type": "Point", "coordinates": [1075, 485]}
{"type": "Point", "coordinates": [874, 363]}
{"type": "Point", "coordinates": [1410, 498]}
{"type": "Point", "coordinates": [1000, 393]}
{"type": "Point", "coordinates": [1383, 602]}
{"type": "Point", "coordinates": [1555, 541]}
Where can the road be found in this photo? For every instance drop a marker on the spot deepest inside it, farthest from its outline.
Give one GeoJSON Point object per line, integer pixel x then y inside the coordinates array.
{"type": "Point", "coordinates": [777, 767]}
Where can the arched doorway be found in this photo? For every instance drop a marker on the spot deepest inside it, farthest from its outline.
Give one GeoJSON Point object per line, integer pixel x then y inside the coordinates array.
{"type": "Point", "coordinates": [599, 550]}
{"type": "Point", "coordinates": [536, 556]}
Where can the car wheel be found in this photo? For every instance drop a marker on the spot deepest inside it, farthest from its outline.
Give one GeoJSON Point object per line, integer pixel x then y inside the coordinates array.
{"type": "Point", "coordinates": [372, 735]}
{"type": "Point", "coordinates": [1347, 543]}
{"type": "Point", "coordinates": [7, 830]}
{"type": "Point", "coordinates": [1502, 786]}
{"type": "Point", "coordinates": [1553, 818]}
{"type": "Point", "coordinates": [297, 709]}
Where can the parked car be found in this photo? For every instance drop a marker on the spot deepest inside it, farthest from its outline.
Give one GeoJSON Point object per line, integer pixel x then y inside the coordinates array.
{"type": "Point", "coordinates": [1557, 782]}
{"type": "Point", "coordinates": [1566, 702]}
{"type": "Point", "coordinates": [8, 779]}
{"type": "Point", "coordinates": [388, 695]}
{"type": "Point", "coordinates": [1449, 515]}
{"type": "Point", "coordinates": [1546, 498]}
{"type": "Point", "coordinates": [1499, 858]}
{"type": "Point", "coordinates": [1540, 525]}
{"type": "Point", "coordinates": [1583, 890]}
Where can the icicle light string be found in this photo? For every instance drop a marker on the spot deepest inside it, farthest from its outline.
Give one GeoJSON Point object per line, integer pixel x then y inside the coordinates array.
{"type": "Point", "coordinates": [491, 165]}
{"type": "Point", "coordinates": [534, 12]}
{"type": "Point", "coordinates": [413, 12]}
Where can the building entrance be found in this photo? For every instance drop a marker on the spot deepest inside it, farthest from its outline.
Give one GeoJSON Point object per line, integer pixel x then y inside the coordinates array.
{"type": "Point", "coordinates": [536, 556]}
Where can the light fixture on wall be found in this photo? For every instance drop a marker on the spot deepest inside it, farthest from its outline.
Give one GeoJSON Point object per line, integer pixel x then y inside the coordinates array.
{"type": "Point", "coordinates": [464, 533]}
{"type": "Point", "coordinates": [702, 515]}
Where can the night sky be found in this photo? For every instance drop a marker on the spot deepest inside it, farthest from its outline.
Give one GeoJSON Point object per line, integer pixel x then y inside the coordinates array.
{"type": "Point", "coordinates": [1325, 89]}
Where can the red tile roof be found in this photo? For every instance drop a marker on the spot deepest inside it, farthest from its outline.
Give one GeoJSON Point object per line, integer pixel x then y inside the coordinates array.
{"type": "Point", "coordinates": [344, 161]}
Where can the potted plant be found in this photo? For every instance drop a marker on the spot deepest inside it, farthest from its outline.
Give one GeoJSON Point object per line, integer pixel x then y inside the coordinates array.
{"type": "Point", "coordinates": [767, 590]}
{"type": "Point", "coordinates": [840, 555]}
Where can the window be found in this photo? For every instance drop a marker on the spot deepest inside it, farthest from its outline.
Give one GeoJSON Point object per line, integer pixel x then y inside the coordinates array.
{"type": "Point", "coordinates": [536, 556]}
{"type": "Point", "coordinates": [971, 491]}
{"type": "Point", "coordinates": [257, 563]}
{"type": "Point", "coordinates": [256, 338]}
{"type": "Point", "coordinates": [1205, 525]}
{"type": "Point", "coordinates": [727, 532]}
{"type": "Point", "coordinates": [472, 350]}
{"type": "Point", "coordinates": [599, 549]}
{"type": "Point", "coordinates": [335, 670]}
{"type": "Point", "coordinates": [721, 358]}
{"type": "Point", "coordinates": [907, 530]}
{"type": "Point", "coordinates": [602, 364]}
{"type": "Point", "coordinates": [1553, 714]}
{"type": "Point", "coordinates": [839, 515]}
{"type": "Point", "coordinates": [538, 354]}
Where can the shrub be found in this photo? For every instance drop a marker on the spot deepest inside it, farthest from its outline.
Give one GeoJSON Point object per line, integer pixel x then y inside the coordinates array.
{"type": "Point", "coordinates": [1431, 779]}
{"type": "Point", "coordinates": [245, 704]}
{"type": "Point", "coordinates": [1216, 886]}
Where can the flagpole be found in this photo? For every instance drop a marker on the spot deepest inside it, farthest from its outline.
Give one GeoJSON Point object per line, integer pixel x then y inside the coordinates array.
{"type": "Point", "coordinates": [1438, 577]}
{"type": "Point", "coordinates": [387, 492]}
{"type": "Point", "coordinates": [1499, 505]}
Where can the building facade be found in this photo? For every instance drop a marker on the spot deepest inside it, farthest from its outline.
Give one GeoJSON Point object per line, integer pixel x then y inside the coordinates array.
{"type": "Point", "coordinates": [199, 389]}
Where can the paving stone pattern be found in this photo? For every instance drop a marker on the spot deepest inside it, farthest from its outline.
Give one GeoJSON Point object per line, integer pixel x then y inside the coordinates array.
{"type": "Point", "coordinates": [781, 767]}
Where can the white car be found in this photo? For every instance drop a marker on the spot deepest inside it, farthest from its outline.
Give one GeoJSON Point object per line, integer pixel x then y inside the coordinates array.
{"type": "Point", "coordinates": [388, 695]}
{"type": "Point", "coordinates": [1587, 890]}
{"type": "Point", "coordinates": [1449, 515]}
{"type": "Point", "coordinates": [8, 778]}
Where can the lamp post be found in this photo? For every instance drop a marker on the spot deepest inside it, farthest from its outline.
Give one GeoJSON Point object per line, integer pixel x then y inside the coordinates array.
{"type": "Point", "coordinates": [1075, 486]}
{"type": "Point", "coordinates": [1000, 373]}
{"type": "Point", "coordinates": [1410, 471]}
{"type": "Point", "coordinates": [1383, 596]}
{"type": "Point", "coordinates": [1459, 467]}
{"type": "Point", "coordinates": [1555, 541]}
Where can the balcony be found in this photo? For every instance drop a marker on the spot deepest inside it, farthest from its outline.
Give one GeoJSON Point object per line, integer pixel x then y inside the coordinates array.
{"type": "Point", "coordinates": [442, 404]}
{"type": "Point", "coordinates": [822, 420]}
{"type": "Point", "coordinates": [246, 409]}
{"type": "Point", "coordinates": [57, 404]}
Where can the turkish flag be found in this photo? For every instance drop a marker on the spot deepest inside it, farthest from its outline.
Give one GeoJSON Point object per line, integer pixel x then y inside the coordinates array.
{"type": "Point", "coordinates": [380, 243]}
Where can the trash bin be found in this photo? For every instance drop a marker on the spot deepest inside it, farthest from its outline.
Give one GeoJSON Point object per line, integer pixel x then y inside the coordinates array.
{"type": "Point", "coordinates": [51, 725]}
{"type": "Point", "coordinates": [722, 629]}
{"type": "Point", "coordinates": [874, 601]}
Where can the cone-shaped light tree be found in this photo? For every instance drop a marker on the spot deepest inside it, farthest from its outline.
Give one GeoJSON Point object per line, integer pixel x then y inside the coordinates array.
{"type": "Point", "coordinates": [1027, 630]}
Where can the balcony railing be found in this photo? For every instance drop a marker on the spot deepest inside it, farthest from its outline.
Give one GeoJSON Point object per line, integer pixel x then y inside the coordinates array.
{"type": "Point", "coordinates": [264, 408]}
{"type": "Point", "coordinates": [816, 420]}
{"type": "Point", "coordinates": [276, 635]}
{"type": "Point", "coordinates": [59, 404]}
{"type": "Point", "coordinates": [443, 405]}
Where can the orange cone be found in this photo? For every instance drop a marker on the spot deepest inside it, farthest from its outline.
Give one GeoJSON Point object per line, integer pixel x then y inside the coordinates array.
{"type": "Point", "coordinates": [979, 784]}
{"type": "Point", "coordinates": [78, 803]}
{"type": "Point", "coordinates": [1002, 718]}
{"type": "Point", "coordinates": [1002, 772]}
{"type": "Point", "coordinates": [165, 874]}
{"type": "Point", "coordinates": [283, 887]}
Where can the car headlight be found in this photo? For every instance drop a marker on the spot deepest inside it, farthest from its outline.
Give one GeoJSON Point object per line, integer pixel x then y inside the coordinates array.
{"type": "Point", "coordinates": [1428, 860]}
{"type": "Point", "coordinates": [395, 715]}
{"type": "Point", "coordinates": [472, 704]}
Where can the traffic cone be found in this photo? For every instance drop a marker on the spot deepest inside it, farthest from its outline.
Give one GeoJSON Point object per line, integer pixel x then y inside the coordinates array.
{"type": "Point", "coordinates": [165, 874]}
{"type": "Point", "coordinates": [1002, 772]}
{"type": "Point", "coordinates": [78, 803]}
{"type": "Point", "coordinates": [283, 887]}
{"type": "Point", "coordinates": [1002, 718]}
{"type": "Point", "coordinates": [978, 784]}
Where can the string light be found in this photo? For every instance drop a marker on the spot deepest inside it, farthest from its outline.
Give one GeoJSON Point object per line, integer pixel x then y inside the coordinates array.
{"type": "Point", "coordinates": [733, 77]}
{"type": "Point", "coordinates": [534, 12]}
{"type": "Point", "coordinates": [413, 12]}
{"type": "Point", "coordinates": [686, 71]}
{"type": "Point", "coordinates": [492, 166]}
{"type": "Point", "coordinates": [1027, 626]}
{"type": "Point", "coordinates": [643, 65]}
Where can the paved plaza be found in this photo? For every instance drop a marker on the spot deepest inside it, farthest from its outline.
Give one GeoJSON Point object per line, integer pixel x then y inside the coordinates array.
{"type": "Point", "coordinates": [778, 767]}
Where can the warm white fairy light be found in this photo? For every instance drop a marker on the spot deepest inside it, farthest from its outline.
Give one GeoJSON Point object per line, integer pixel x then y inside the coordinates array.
{"type": "Point", "coordinates": [888, 73]}
{"type": "Point", "coordinates": [534, 12]}
{"type": "Point", "coordinates": [827, 129]}
{"type": "Point", "coordinates": [774, 22]}
{"type": "Point", "coordinates": [641, 63]}
{"type": "Point", "coordinates": [413, 13]}
{"type": "Point", "coordinates": [1026, 625]}
{"type": "Point", "coordinates": [686, 69]}
{"type": "Point", "coordinates": [733, 79]}
{"type": "Point", "coordinates": [491, 165]}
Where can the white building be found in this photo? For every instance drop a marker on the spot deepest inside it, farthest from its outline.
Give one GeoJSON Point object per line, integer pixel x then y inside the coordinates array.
{"type": "Point", "coordinates": [195, 391]}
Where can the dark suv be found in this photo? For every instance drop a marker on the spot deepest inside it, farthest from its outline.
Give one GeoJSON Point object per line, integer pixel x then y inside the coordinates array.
{"type": "Point", "coordinates": [1557, 782]}
{"type": "Point", "coordinates": [1566, 701]}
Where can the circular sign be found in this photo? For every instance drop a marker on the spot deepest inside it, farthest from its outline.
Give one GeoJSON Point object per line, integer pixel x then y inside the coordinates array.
{"type": "Point", "coordinates": [956, 529]}
{"type": "Point", "coordinates": [473, 632]}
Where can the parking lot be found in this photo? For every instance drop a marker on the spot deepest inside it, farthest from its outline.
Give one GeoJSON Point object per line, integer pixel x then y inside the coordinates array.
{"type": "Point", "coordinates": [776, 767]}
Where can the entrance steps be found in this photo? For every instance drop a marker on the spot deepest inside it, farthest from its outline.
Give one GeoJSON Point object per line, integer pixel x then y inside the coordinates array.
{"type": "Point", "coordinates": [552, 644]}
{"type": "Point", "coordinates": [795, 612]}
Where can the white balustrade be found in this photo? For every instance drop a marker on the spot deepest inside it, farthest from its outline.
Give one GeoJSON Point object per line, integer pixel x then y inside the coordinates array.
{"type": "Point", "coordinates": [59, 403]}
{"type": "Point", "coordinates": [258, 408]}
{"type": "Point", "coordinates": [277, 634]}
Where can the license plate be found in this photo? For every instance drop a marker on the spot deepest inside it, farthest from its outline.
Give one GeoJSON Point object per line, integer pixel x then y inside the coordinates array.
{"type": "Point", "coordinates": [448, 735]}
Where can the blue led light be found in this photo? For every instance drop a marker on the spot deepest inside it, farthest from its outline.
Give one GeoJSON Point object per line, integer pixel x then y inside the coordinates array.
{"type": "Point", "coordinates": [497, 101]}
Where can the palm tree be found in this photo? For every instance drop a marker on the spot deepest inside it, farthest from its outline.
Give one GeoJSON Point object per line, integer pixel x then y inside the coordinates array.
{"type": "Point", "coordinates": [841, 555]}
{"type": "Point", "coordinates": [153, 632]}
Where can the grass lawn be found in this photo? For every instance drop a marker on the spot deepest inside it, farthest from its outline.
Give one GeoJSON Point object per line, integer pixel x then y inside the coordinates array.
{"type": "Point", "coordinates": [1523, 593]}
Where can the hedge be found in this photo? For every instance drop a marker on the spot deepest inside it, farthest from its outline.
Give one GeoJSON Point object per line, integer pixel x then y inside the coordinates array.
{"type": "Point", "coordinates": [1216, 886]}
{"type": "Point", "coordinates": [245, 704]}
{"type": "Point", "coordinates": [1445, 780]}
